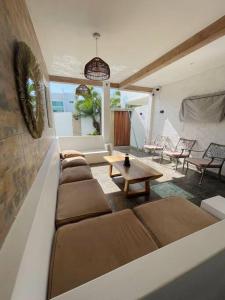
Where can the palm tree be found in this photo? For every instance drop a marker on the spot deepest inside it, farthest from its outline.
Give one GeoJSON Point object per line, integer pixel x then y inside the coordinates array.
{"type": "Point", "coordinates": [115, 99]}
{"type": "Point", "coordinates": [90, 106]}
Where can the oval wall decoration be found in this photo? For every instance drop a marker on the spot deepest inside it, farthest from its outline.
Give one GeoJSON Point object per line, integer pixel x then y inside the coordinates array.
{"type": "Point", "coordinates": [29, 87]}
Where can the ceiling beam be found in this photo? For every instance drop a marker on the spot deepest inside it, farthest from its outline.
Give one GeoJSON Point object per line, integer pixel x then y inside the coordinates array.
{"type": "Point", "coordinates": [200, 39]}
{"type": "Point", "coordinates": [134, 88]}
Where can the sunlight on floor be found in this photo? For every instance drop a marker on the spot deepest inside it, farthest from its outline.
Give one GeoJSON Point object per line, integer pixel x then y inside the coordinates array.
{"type": "Point", "coordinates": [106, 182]}
{"type": "Point", "coordinates": [109, 186]}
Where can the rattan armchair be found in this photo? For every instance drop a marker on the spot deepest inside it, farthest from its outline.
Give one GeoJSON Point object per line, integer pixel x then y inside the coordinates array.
{"type": "Point", "coordinates": [213, 158]}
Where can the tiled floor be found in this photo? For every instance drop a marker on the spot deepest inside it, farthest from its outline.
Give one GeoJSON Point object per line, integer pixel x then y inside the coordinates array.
{"type": "Point", "coordinates": [171, 182]}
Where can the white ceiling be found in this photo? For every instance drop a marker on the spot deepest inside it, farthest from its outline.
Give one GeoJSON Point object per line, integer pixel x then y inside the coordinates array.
{"type": "Point", "coordinates": [134, 33]}
{"type": "Point", "coordinates": [206, 58]}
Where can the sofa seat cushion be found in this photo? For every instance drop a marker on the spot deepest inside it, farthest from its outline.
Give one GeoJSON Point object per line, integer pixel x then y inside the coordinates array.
{"type": "Point", "coordinates": [74, 162]}
{"type": "Point", "coordinates": [71, 153]}
{"type": "Point", "coordinates": [75, 174]}
{"type": "Point", "coordinates": [88, 249]}
{"type": "Point", "coordinates": [80, 200]}
{"type": "Point", "coordinates": [172, 218]}
{"type": "Point", "coordinates": [204, 162]}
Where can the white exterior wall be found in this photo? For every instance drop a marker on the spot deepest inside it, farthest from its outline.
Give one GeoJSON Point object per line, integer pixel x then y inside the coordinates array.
{"type": "Point", "coordinates": [87, 126]}
{"type": "Point", "coordinates": [169, 99]}
{"type": "Point", "coordinates": [63, 123]}
{"type": "Point", "coordinates": [139, 126]}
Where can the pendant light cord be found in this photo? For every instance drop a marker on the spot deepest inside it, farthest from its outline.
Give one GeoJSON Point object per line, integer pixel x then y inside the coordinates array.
{"type": "Point", "coordinates": [96, 46]}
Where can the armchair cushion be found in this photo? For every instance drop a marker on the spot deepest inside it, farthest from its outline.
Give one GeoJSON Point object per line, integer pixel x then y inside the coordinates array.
{"type": "Point", "coordinates": [176, 154]}
{"type": "Point", "coordinates": [75, 174]}
{"type": "Point", "coordinates": [153, 147]}
{"type": "Point", "coordinates": [203, 162]}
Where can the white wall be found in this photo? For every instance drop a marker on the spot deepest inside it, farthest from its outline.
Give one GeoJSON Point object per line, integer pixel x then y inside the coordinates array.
{"type": "Point", "coordinates": [63, 123]}
{"type": "Point", "coordinates": [169, 99]}
{"type": "Point", "coordinates": [139, 119]}
{"type": "Point", "coordinates": [87, 126]}
{"type": "Point", "coordinates": [91, 145]}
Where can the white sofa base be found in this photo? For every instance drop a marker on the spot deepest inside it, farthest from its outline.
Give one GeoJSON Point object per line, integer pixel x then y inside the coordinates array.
{"type": "Point", "coordinates": [215, 206]}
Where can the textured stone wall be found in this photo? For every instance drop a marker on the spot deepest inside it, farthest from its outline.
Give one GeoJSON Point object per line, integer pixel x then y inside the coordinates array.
{"type": "Point", "coordinates": [20, 155]}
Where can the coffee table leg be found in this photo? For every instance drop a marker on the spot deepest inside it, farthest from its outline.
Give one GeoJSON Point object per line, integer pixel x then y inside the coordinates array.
{"type": "Point", "coordinates": [110, 170]}
{"type": "Point", "coordinates": [111, 174]}
{"type": "Point", "coordinates": [147, 186]}
{"type": "Point", "coordinates": [144, 191]}
{"type": "Point", "coordinates": [126, 187]}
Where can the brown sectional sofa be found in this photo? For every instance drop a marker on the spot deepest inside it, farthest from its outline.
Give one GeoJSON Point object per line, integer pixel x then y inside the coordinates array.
{"type": "Point", "coordinates": [92, 245]}
{"type": "Point", "coordinates": [88, 249]}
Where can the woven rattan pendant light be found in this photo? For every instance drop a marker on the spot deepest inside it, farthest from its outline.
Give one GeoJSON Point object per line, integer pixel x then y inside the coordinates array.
{"type": "Point", "coordinates": [82, 90]}
{"type": "Point", "coordinates": [97, 69]}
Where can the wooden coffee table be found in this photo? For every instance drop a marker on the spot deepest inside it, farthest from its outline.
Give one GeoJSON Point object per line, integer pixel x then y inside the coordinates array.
{"type": "Point", "coordinates": [137, 172]}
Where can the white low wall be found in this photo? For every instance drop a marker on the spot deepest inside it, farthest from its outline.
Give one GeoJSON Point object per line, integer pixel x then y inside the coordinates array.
{"type": "Point", "coordinates": [92, 146]}
{"type": "Point", "coordinates": [25, 254]}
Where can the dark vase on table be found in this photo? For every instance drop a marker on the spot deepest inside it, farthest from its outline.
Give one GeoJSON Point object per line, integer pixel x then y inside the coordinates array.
{"type": "Point", "coordinates": [126, 161]}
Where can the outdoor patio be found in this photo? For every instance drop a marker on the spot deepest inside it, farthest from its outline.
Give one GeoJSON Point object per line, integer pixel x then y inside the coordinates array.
{"type": "Point", "coordinates": [172, 183]}
{"type": "Point", "coordinates": [112, 150]}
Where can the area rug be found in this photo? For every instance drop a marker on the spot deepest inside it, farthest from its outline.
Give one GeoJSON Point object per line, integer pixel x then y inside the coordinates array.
{"type": "Point", "coordinates": [167, 189]}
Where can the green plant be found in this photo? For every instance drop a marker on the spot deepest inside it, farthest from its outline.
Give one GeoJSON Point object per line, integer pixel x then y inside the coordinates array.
{"type": "Point", "coordinates": [115, 100]}
{"type": "Point", "coordinates": [94, 133]}
{"type": "Point", "coordinates": [90, 106]}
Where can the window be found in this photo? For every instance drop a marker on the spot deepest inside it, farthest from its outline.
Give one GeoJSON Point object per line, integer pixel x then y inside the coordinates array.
{"type": "Point", "coordinates": [76, 115]}
{"type": "Point", "coordinates": [57, 106]}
